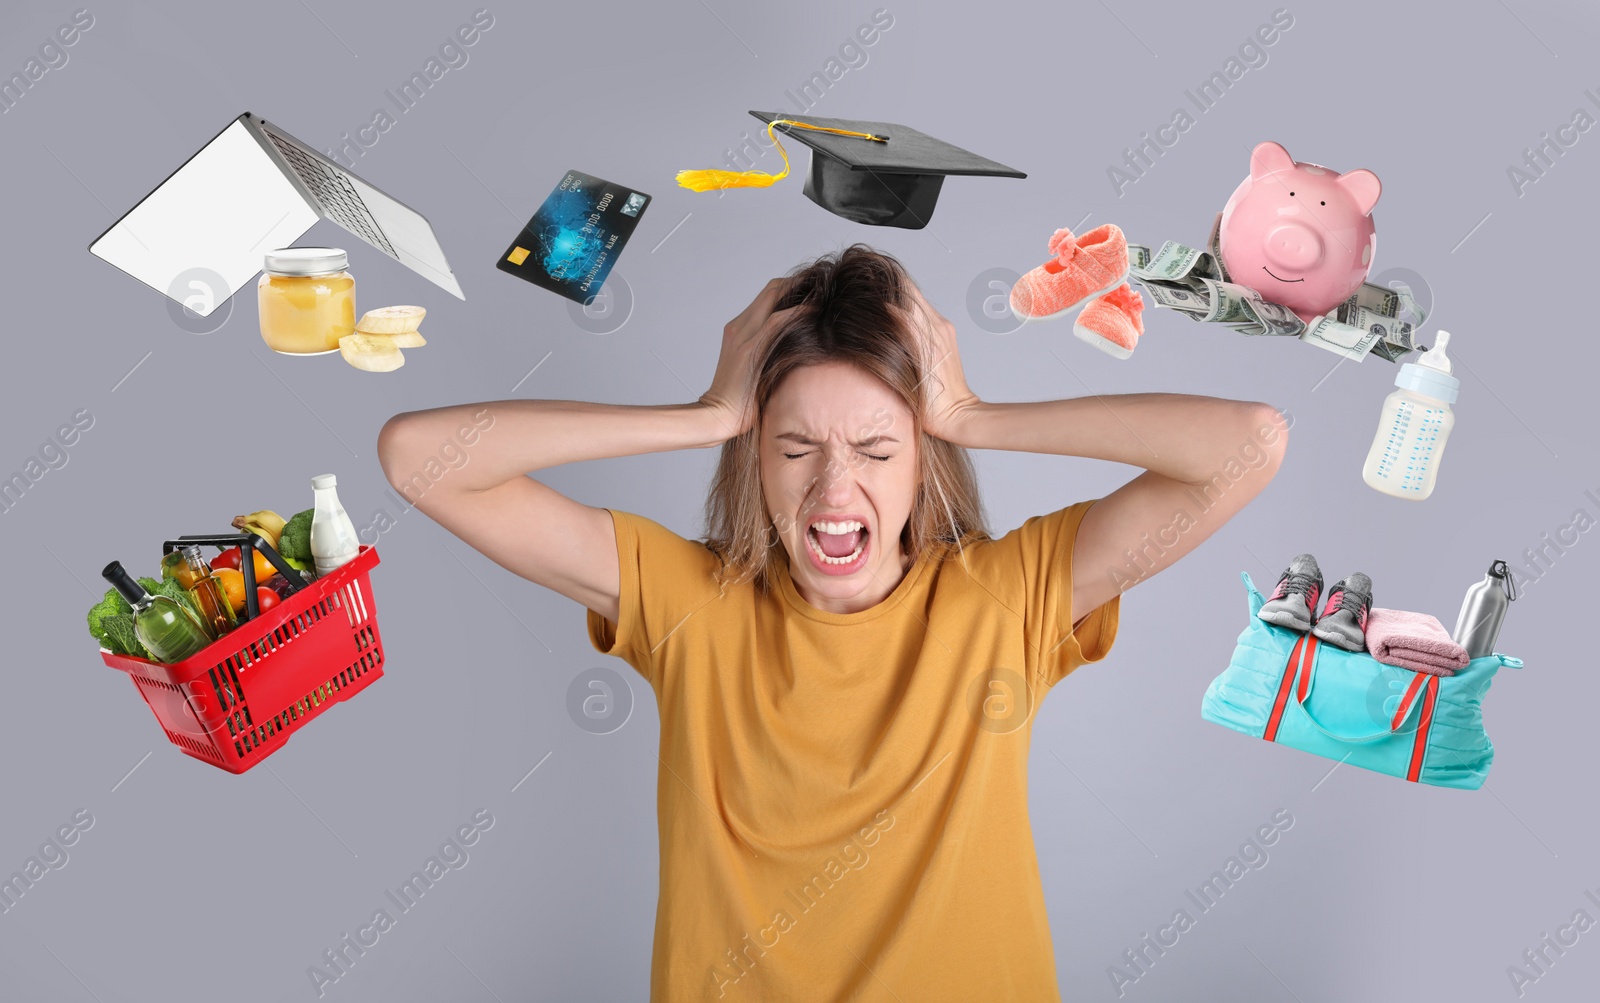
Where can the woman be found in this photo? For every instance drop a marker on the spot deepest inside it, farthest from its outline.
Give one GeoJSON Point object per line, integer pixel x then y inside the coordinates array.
{"type": "Point", "coordinates": [847, 667]}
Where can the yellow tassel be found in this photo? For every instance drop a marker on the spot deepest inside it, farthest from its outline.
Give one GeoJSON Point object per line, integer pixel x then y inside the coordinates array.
{"type": "Point", "coordinates": [713, 180]}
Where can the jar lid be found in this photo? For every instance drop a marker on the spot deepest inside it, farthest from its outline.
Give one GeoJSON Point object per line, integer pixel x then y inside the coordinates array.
{"type": "Point", "coordinates": [306, 261]}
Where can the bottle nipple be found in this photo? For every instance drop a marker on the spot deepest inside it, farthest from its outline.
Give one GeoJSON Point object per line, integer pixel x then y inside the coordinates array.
{"type": "Point", "coordinates": [1435, 357]}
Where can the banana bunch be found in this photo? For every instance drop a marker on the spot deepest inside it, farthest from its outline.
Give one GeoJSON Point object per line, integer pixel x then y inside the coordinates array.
{"type": "Point", "coordinates": [266, 524]}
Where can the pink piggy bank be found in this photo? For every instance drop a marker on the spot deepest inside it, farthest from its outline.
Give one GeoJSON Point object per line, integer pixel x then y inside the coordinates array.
{"type": "Point", "coordinates": [1299, 234]}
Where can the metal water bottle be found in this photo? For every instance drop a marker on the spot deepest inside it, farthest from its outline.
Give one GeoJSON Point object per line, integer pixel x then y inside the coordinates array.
{"type": "Point", "coordinates": [1484, 609]}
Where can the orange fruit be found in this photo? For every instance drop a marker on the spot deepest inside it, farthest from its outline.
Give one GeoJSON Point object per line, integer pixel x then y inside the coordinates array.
{"type": "Point", "coordinates": [233, 584]}
{"type": "Point", "coordinates": [230, 559]}
{"type": "Point", "coordinates": [264, 568]}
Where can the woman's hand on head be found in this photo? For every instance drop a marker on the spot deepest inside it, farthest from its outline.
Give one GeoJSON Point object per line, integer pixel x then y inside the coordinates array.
{"type": "Point", "coordinates": [949, 400]}
{"type": "Point", "coordinates": [744, 338]}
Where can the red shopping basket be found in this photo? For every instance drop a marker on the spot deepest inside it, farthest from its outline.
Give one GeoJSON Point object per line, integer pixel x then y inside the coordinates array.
{"type": "Point", "coordinates": [236, 701]}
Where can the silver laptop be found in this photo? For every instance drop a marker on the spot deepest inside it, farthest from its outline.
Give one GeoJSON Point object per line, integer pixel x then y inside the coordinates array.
{"type": "Point", "coordinates": [250, 190]}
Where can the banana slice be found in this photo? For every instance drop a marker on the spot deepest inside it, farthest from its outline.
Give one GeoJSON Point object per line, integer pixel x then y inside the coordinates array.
{"type": "Point", "coordinates": [405, 339]}
{"type": "Point", "coordinates": [391, 320]}
{"type": "Point", "coordinates": [374, 355]}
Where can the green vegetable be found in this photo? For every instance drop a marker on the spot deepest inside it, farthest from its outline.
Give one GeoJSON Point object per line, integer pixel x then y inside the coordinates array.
{"type": "Point", "coordinates": [112, 604]}
{"type": "Point", "coordinates": [119, 636]}
{"type": "Point", "coordinates": [111, 619]}
{"type": "Point", "coordinates": [170, 588]}
{"type": "Point", "coordinates": [295, 542]}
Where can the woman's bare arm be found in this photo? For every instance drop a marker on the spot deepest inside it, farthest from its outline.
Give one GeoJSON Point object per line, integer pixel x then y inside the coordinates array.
{"type": "Point", "coordinates": [1205, 458]}
{"type": "Point", "coordinates": [528, 528]}
{"type": "Point", "coordinates": [517, 522]}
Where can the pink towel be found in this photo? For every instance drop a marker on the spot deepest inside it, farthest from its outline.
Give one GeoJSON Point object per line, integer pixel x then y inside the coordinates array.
{"type": "Point", "coordinates": [1413, 641]}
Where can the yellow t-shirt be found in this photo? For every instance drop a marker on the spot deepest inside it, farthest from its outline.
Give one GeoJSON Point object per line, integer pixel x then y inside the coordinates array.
{"type": "Point", "coordinates": [842, 798]}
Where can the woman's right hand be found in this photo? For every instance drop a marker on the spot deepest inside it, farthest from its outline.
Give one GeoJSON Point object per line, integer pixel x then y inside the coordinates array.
{"type": "Point", "coordinates": [743, 338]}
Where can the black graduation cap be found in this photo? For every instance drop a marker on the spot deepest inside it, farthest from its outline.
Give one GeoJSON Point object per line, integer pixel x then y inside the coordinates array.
{"type": "Point", "coordinates": [893, 182]}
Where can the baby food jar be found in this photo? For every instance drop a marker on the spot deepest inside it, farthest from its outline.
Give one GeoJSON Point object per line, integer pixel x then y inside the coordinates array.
{"type": "Point", "coordinates": [307, 300]}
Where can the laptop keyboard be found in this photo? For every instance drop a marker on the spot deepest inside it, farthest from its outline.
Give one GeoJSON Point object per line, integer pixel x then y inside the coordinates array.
{"type": "Point", "coordinates": [338, 197]}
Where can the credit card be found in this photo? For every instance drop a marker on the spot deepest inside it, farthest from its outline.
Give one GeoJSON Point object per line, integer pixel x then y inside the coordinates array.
{"type": "Point", "coordinates": [572, 242]}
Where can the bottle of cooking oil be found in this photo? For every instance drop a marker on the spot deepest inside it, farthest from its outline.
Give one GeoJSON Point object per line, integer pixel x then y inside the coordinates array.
{"type": "Point", "coordinates": [188, 568]}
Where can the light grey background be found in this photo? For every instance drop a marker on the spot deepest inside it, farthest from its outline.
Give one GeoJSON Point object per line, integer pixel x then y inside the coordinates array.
{"type": "Point", "coordinates": [194, 884]}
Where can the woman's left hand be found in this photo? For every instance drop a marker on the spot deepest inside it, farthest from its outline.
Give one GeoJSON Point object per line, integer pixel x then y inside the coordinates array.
{"type": "Point", "coordinates": [949, 401]}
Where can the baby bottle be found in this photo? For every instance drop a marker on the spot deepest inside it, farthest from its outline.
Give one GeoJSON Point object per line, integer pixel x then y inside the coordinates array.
{"type": "Point", "coordinates": [1416, 420]}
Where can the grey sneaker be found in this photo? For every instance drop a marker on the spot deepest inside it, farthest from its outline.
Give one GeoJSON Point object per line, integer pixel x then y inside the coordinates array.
{"type": "Point", "coordinates": [1344, 619]}
{"type": "Point", "coordinates": [1294, 601]}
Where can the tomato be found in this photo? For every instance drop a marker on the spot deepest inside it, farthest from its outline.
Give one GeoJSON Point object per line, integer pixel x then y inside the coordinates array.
{"type": "Point", "coordinates": [266, 598]}
{"type": "Point", "coordinates": [232, 559]}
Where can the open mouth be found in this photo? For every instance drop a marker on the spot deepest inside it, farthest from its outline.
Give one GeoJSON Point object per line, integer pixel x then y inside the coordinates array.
{"type": "Point", "coordinates": [1264, 268]}
{"type": "Point", "coordinates": [836, 543]}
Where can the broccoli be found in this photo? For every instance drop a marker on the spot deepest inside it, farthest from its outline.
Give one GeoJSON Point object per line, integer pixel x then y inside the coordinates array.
{"type": "Point", "coordinates": [295, 541]}
{"type": "Point", "coordinates": [120, 637]}
{"type": "Point", "coordinates": [111, 605]}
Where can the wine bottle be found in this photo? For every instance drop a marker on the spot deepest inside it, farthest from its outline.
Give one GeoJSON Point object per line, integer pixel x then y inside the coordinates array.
{"type": "Point", "coordinates": [163, 625]}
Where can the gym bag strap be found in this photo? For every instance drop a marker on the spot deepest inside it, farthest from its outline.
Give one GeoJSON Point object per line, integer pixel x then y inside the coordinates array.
{"type": "Point", "coordinates": [1300, 670]}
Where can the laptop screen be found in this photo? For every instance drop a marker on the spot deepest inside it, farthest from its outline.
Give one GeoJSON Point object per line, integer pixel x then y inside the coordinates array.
{"type": "Point", "coordinates": [218, 213]}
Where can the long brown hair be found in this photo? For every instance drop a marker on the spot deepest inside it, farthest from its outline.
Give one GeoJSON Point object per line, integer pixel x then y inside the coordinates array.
{"type": "Point", "coordinates": [845, 316]}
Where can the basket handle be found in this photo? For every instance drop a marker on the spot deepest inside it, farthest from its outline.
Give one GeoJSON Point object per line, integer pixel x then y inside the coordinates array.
{"type": "Point", "coordinates": [225, 540]}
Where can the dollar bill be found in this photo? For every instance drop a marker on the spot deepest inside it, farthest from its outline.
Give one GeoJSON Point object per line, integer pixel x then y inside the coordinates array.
{"type": "Point", "coordinates": [1340, 338]}
{"type": "Point", "coordinates": [1214, 246]}
{"type": "Point", "coordinates": [1175, 262]}
{"type": "Point", "coordinates": [1375, 298]}
{"type": "Point", "coordinates": [1409, 305]}
{"type": "Point", "coordinates": [1179, 298]}
{"type": "Point", "coordinates": [1275, 319]}
{"type": "Point", "coordinates": [1230, 303]}
{"type": "Point", "coordinates": [1392, 353]}
{"type": "Point", "coordinates": [1392, 330]}
{"type": "Point", "coordinates": [1397, 302]}
{"type": "Point", "coordinates": [1372, 320]}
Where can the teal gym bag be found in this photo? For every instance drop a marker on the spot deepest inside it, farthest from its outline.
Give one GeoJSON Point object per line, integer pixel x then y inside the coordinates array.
{"type": "Point", "coordinates": [1293, 689]}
